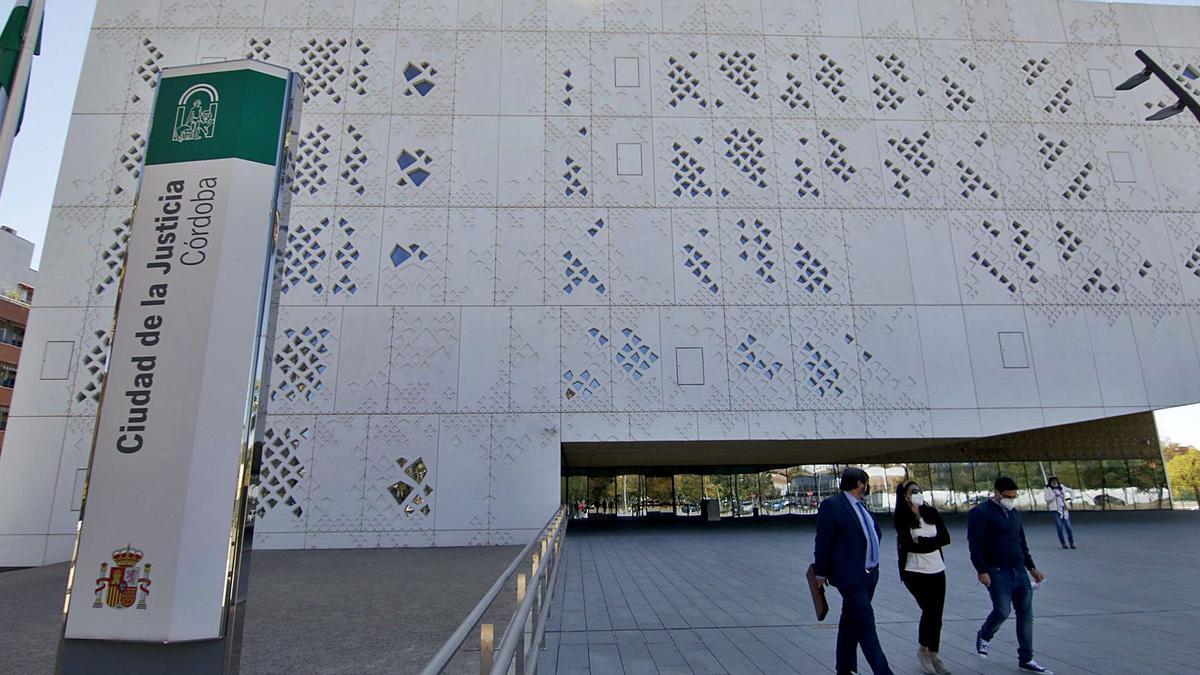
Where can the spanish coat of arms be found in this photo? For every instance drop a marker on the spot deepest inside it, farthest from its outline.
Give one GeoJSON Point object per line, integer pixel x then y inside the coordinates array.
{"type": "Point", "coordinates": [125, 583]}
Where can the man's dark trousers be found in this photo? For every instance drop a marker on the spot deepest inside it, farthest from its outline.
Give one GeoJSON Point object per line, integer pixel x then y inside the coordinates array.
{"type": "Point", "coordinates": [857, 625]}
{"type": "Point", "coordinates": [1011, 589]}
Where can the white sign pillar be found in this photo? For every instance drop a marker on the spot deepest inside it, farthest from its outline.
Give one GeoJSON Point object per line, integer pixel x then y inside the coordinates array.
{"type": "Point", "coordinates": [156, 576]}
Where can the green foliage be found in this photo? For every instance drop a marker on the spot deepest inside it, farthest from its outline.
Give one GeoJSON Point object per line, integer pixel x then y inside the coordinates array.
{"type": "Point", "coordinates": [1184, 471]}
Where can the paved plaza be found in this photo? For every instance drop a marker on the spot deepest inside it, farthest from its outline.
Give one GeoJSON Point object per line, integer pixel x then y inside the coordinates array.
{"type": "Point", "coordinates": [687, 598]}
{"type": "Point", "coordinates": [731, 599]}
{"type": "Point", "coordinates": [333, 611]}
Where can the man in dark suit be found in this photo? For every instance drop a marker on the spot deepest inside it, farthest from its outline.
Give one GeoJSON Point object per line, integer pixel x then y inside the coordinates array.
{"type": "Point", "coordinates": [847, 557]}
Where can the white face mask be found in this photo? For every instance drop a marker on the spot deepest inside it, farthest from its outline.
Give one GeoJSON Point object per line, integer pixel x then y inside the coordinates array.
{"type": "Point", "coordinates": [1008, 504]}
{"type": "Point", "coordinates": [916, 499]}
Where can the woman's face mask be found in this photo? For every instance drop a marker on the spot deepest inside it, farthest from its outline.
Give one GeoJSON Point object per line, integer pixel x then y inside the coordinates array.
{"type": "Point", "coordinates": [916, 499]}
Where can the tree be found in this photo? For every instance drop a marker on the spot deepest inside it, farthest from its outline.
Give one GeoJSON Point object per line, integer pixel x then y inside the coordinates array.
{"type": "Point", "coordinates": [1173, 449]}
{"type": "Point", "coordinates": [1184, 471]}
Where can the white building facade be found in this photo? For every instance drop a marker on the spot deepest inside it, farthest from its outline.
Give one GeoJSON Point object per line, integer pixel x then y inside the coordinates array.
{"type": "Point", "coordinates": [522, 223]}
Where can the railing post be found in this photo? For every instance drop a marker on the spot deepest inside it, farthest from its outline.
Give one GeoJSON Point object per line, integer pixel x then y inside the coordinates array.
{"type": "Point", "coordinates": [521, 639]}
{"type": "Point", "coordinates": [486, 638]}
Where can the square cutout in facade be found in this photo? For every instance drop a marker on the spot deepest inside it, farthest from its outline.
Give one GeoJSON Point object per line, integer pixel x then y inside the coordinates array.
{"type": "Point", "coordinates": [627, 71]}
{"type": "Point", "coordinates": [56, 360]}
{"type": "Point", "coordinates": [1122, 167]}
{"type": "Point", "coordinates": [689, 365]}
{"type": "Point", "coordinates": [1102, 84]}
{"type": "Point", "coordinates": [629, 159]}
{"type": "Point", "coordinates": [1013, 353]}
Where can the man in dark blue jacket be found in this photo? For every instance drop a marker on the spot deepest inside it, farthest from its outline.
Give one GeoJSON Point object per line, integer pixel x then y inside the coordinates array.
{"type": "Point", "coordinates": [847, 557]}
{"type": "Point", "coordinates": [1001, 557]}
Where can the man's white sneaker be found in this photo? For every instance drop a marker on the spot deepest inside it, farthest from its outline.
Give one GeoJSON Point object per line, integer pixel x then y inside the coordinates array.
{"type": "Point", "coordinates": [981, 646]}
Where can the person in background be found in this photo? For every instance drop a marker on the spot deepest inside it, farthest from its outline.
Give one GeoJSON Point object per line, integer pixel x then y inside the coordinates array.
{"type": "Point", "coordinates": [1000, 555]}
{"type": "Point", "coordinates": [1056, 496]}
{"type": "Point", "coordinates": [847, 557]}
{"type": "Point", "coordinates": [920, 536]}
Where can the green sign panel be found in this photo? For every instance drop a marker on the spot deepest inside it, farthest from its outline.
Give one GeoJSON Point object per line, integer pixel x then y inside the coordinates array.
{"type": "Point", "coordinates": [230, 114]}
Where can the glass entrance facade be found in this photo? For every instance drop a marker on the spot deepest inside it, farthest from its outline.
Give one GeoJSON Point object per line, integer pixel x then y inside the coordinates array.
{"type": "Point", "coordinates": [1094, 485]}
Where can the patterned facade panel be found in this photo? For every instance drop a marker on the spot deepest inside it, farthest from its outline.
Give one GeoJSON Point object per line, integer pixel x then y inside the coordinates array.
{"type": "Point", "coordinates": [523, 63]}
{"type": "Point", "coordinates": [462, 496]}
{"type": "Point", "coordinates": [753, 259]}
{"type": "Point", "coordinates": [93, 340]}
{"type": "Point", "coordinates": [758, 347]}
{"type": "Point", "coordinates": [471, 257]}
{"type": "Point", "coordinates": [77, 233]}
{"type": "Point", "coordinates": [521, 445]}
{"type": "Point", "coordinates": [814, 245]}
{"type": "Point", "coordinates": [418, 161]}
{"type": "Point", "coordinates": [697, 257]}
{"type": "Point", "coordinates": [305, 356]}
{"type": "Point", "coordinates": [521, 166]}
{"type": "Point", "coordinates": [826, 359]}
{"type": "Point", "coordinates": [353, 265]}
{"type": "Point", "coordinates": [685, 153]}
{"type": "Point", "coordinates": [108, 52]}
{"type": "Point", "coordinates": [577, 257]}
{"type": "Point", "coordinates": [281, 502]}
{"type": "Point", "coordinates": [696, 371]}
{"type": "Point", "coordinates": [412, 261]}
{"type": "Point", "coordinates": [737, 71]}
{"type": "Point", "coordinates": [568, 74]}
{"type": "Point", "coordinates": [620, 74]}
{"type": "Point", "coordinates": [364, 359]}
{"type": "Point", "coordinates": [423, 73]}
{"type": "Point", "coordinates": [338, 478]}
{"type": "Point", "coordinates": [425, 357]}
{"type": "Point", "coordinates": [474, 165]}
{"type": "Point", "coordinates": [745, 173]}
{"type": "Point", "coordinates": [307, 256]}
{"type": "Point", "coordinates": [621, 162]}
{"type": "Point", "coordinates": [363, 163]}
{"type": "Point", "coordinates": [521, 266]}
{"type": "Point", "coordinates": [890, 361]}
{"type": "Point", "coordinates": [586, 359]}
{"type": "Point", "coordinates": [90, 162]}
{"type": "Point", "coordinates": [536, 382]}
{"type": "Point", "coordinates": [839, 72]}
{"type": "Point", "coordinates": [401, 466]}
{"type": "Point", "coordinates": [639, 243]}
{"type": "Point", "coordinates": [637, 363]}
{"type": "Point", "coordinates": [483, 372]}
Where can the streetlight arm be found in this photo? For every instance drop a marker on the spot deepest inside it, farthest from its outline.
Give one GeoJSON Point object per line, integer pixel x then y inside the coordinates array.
{"type": "Point", "coordinates": [1185, 98]}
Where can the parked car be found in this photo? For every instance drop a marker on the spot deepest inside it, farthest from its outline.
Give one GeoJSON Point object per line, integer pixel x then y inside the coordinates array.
{"type": "Point", "coordinates": [1107, 500]}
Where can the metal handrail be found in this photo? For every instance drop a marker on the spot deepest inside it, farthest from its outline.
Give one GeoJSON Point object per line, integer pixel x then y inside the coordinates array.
{"type": "Point", "coordinates": [442, 658]}
{"type": "Point", "coordinates": [540, 632]}
{"type": "Point", "coordinates": [514, 634]}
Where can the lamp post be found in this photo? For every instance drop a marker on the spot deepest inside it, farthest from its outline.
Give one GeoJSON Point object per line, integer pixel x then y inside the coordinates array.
{"type": "Point", "coordinates": [1184, 101]}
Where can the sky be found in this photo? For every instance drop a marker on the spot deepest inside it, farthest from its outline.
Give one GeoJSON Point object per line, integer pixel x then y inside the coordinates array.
{"type": "Point", "coordinates": [37, 152]}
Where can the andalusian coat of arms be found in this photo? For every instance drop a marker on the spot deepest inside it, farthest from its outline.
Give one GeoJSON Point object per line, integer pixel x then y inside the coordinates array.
{"type": "Point", "coordinates": [196, 114]}
{"type": "Point", "coordinates": [126, 582]}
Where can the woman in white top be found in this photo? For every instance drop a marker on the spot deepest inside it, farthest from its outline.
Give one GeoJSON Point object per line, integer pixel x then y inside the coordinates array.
{"type": "Point", "coordinates": [1059, 500]}
{"type": "Point", "coordinates": [920, 536]}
